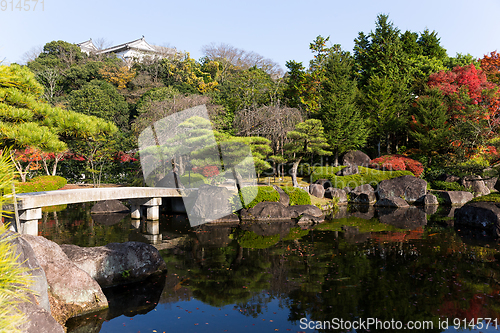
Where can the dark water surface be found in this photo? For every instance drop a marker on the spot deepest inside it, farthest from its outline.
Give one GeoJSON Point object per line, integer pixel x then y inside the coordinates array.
{"type": "Point", "coordinates": [416, 270]}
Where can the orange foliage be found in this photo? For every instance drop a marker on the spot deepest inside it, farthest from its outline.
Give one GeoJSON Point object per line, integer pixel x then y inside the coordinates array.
{"type": "Point", "coordinates": [118, 76]}
{"type": "Point", "coordinates": [490, 64]}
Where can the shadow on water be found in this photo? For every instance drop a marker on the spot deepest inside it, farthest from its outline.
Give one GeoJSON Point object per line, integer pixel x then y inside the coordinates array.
{"type": "Point", "coordinates": [406, 265]}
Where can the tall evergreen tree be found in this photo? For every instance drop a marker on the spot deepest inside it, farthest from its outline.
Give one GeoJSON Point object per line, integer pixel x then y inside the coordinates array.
{"type": "Point", "coordinates": [385, 78]}
{"type": "Point", "coordinates": [345, 128]}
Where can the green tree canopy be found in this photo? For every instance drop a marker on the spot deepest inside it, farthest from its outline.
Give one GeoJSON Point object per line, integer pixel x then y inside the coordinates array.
{"type": "Point", "coordinates": [27, 121]}
{"type": "Point", "coordinates": [345, 127]}
{"type": "Point", "coordinates": [101, 99]}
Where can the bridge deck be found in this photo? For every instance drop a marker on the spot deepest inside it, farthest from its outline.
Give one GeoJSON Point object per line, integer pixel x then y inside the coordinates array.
{"type": "Point", "coordinates": [61, 197]}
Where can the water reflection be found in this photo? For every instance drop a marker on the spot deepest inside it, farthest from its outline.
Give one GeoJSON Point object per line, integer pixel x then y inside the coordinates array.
{"type": "Point", "coordinates": [348, 268]}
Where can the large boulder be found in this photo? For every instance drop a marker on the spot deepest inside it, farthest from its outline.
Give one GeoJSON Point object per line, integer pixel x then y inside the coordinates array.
{"type": "Point", "coordinates": [266, 211]}
{"type": "Point", "coordinates": [456, 198]}
{"type": "Point", "coordinates": [171, 180]}
{"type": "Point", "coordinates": [490, 183]}
{"type": "Point", "coordinates": [428, 200]}
{"type": "Point", "coordinates": [338, 193]}
{"type": "Point", "coordinates": [348, 171]}
{"type": "Point", "coordinates": [71, 290]}
{"type": "Point", "coordinates": [317, 190]}
{"type": "Point", "coordinates": [363, 194]}
{"type": "Point", "coordinates": [117, 263]}
{"type": "Point", "coordinates": [394, 202]}
{"type": "Point", "coordinates": [109, 206]}
{"type": "Point", "coordinates": [211, 203]}
{"type": "Point", "coordinates": [355, 157]}
{"type": "Point", "coordinates": [299, 210]}
{"type": "Point", "coordinates": [37, 308]}
{"type": "Point", "coordinates": [407, 187]}
{"type": "Point", "coordinates": [483, 215]}
{"type": "Point", "coordinates": [38, 320]}
{"type": "Point", "coordinates": [26, 258]}
{"type": "Point", "coordinates": [476, 184]}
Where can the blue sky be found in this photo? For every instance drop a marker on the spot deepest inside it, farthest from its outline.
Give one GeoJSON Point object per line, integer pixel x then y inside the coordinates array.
{"type": "Point", "coordinates": [280, 30]}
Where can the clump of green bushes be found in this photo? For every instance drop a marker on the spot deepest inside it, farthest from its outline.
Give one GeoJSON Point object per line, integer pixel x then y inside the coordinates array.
{"type": "Point", "coordinates": [448, 186]}
{"type": "Point", "coordinates": [41, 183]}
{"type": "Point", "coordinates": [365, 176]}
{"type": "Point", "coordinates": [252, 195]}
{"type": "Point", "coordinates": [297, 195]}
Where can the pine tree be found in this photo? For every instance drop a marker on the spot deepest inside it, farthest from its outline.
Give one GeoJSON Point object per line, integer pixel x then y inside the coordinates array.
{"type": "Point", "coordinates": [345, 128]}
{"type": "Point", "coordinates": [307, 138]}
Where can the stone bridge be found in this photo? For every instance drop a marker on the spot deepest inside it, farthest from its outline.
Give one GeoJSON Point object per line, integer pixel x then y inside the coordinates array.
{"type": "Point", "coordinates": [29, 205]}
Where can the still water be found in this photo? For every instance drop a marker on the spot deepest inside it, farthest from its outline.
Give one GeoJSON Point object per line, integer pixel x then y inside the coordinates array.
{"type": "Point", "coordinates": [350, 274]}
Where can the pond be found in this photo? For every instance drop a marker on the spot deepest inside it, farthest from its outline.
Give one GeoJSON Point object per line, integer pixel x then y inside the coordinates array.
{"type": "Point", "coordinates": [349, 274]}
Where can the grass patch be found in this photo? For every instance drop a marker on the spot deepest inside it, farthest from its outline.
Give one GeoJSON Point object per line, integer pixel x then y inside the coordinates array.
{"type": "Point", "coordinates": [365, 176]}
{"type": "Point", "coordinates": [41, 183]}
{"type": "Point", "coordinates": [297, 195]}
{"type": "Point", "coordinates": [363, 225]}
{"type": "Point", "coordinates": [492, 197]}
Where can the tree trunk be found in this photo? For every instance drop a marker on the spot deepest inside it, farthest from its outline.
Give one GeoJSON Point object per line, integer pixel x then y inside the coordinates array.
{"type": "Point", "coordinates": [295, 166]}
{"type": "Point", "coordinates": [237, 178]}
{"type": "Point", "coordinates": [336, 160]}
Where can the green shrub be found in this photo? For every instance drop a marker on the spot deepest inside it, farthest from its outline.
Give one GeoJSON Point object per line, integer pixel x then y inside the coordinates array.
{"type": "Point", "coordinates": [252, 195]}
{"type": "Point", "coordinates": [41, 183]}
{"type": "Point", "coordinates": [365, 176]}
{"type": "Point", "coordinates": [297, 195]}
{"type": "Point", "coordinates": [448, 186]}
{"type": "Point", "coordinates": [195, 178]}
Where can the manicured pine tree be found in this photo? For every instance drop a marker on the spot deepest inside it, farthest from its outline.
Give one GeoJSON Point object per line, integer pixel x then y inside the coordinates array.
{"type": "Point", "coordinates": [307, 138]}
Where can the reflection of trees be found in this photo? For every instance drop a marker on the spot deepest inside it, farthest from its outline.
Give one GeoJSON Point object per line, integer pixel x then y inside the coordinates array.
{"type": "Point", "coordinates": [75, 226]}
{"type": "Point", "coordinates": [221, 276]}
{"type": "Point", "coordinates": [404, 280]}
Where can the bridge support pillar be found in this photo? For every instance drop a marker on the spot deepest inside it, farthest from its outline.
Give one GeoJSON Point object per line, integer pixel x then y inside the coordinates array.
{"type": "Point", "coordinates": [152, 207]}
{"type": "Point", "coordinates": [29, 221]}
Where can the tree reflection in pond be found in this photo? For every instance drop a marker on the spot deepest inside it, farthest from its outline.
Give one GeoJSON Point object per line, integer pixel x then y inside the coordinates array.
{"type": "Point", "coordinates": [349, 269]}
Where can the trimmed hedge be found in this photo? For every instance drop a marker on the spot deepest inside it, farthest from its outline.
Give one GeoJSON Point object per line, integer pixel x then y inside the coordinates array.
{"type": "Point", "coordinates": [365, 176]}
{"type": "Point", "coordinates": [258, 194]}
{"type": "Point", "coordinates": [41, 183]}
{"type": "Point", "coordinates": [297, 195]}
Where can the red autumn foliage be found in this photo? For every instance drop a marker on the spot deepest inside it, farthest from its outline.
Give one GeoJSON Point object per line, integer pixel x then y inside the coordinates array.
{"type": "Point", "coordinates": [475, 84]}
{"type": "Point", "coordinates": [124, 157]}
{"type": "Point", "coordinates": [208, 171]}
{"type": "Point", "coordinates": [398, 162]}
